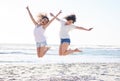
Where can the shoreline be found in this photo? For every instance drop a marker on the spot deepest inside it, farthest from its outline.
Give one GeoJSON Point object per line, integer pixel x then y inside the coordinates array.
{"type": "Point", "coordinates": [60, 72]}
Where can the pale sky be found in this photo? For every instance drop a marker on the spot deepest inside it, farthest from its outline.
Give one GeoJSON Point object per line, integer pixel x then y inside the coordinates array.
{"type": "Point", "coordinates": [102, 15]}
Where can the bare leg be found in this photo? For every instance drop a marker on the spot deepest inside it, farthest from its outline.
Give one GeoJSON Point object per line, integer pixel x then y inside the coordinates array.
{"type": "Point", "coordinates": [41, 51]}
{"type": "Point", "coordinates": [44, 50]}
{"type": "Point", "coordinates": [38, 51]}
{"type": "Point", "coordinates": [60, 50]}
{"type": "Point", "coordinates": [63, 49]}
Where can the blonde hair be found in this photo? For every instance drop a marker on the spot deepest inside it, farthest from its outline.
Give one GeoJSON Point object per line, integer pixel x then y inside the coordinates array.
{"type": "Point", "coordinates": [40, 16]}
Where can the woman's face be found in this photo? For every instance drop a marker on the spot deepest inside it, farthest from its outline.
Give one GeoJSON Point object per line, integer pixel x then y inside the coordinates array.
{"type": "Point", "coordinates": [44, 21]}
{"type": "Point", "coordinates": [69, 22]}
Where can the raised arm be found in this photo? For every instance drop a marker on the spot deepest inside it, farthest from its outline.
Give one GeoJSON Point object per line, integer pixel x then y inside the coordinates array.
{"type": "Point", "coordinates": [54, 16]}
{"type": "Point", "coordinates": [33, 20]}
{"type": "Point", "coordinates": [53, 19]}
{"type": "Point", "coordinates": [82, 28]}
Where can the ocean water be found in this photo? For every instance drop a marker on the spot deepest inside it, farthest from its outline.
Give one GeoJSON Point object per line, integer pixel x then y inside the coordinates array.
{"type": "Point", "coordinates": [26, 53]}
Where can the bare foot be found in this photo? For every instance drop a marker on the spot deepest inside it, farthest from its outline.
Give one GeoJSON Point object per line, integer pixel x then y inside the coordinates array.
{"type": "Point", "coordinates": [46, 49]}
{"type": "Point", "coordinates": [77, 50]}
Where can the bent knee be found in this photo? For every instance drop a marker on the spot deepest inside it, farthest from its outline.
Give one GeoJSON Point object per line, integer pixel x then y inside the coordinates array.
{"type": "Point", "coordinates": [40, 56]}
{"type": "Point", "coordinates": [63, 53]}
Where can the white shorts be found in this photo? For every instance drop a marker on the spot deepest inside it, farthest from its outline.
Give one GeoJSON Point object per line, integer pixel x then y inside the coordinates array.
{"type": "Point", "coordinates": [41, 44]}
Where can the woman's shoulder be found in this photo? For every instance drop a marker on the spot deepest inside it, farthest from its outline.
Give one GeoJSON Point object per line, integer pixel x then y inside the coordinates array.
{"type": "Point", "coordinates": [62, 21]}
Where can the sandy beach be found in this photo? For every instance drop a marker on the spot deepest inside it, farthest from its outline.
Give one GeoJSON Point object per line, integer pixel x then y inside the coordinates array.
{"type": "Point", "coordinates": [60, 72]}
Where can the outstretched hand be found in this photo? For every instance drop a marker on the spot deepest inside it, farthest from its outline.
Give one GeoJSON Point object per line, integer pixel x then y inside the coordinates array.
{"type": "Point", "coordinates": [51, 14]}
{"type": "Point", "coordinates": [27, 7]}
{"type": "Point", "coordinates": [60, 11]}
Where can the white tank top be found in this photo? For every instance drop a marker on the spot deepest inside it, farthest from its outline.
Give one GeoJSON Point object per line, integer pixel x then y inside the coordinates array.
{"type": "Point", "coordinates": [39, 34]}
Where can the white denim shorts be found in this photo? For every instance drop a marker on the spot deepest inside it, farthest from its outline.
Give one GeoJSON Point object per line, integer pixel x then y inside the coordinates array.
{"type": "Point", "coordinates": [41, 44]}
